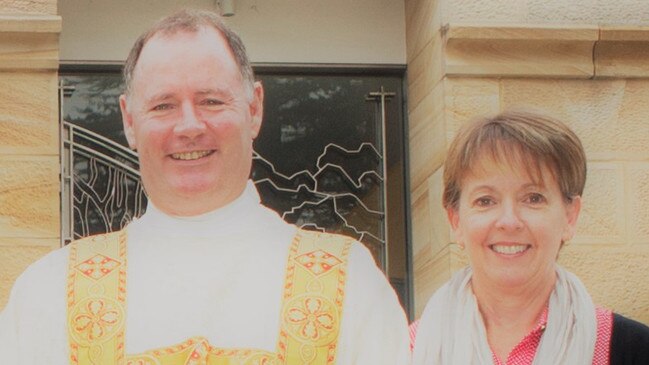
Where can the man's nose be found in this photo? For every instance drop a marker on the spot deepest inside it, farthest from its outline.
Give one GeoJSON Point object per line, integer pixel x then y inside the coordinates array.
{"type": "Point", "coordinates": [190, 125]}
{"type": "Point", "coordinates": [509, 217]}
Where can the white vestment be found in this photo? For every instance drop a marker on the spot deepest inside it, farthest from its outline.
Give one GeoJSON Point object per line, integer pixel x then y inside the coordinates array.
{"type": "Point", "coordinates": [219, 276]}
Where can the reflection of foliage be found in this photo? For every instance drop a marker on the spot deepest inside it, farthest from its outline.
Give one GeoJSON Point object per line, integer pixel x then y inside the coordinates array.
{"type": "Point", "coordinates": [101, 96]}
{"type": "Point", "coordinates": [94, 104]}
{"type": "Point", "coordinates": [309, 113]}
{"type": "Point", "coordinates": [340, 192]}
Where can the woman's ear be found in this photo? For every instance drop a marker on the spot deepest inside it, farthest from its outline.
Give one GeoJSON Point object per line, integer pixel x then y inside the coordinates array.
{"type": "Point", "coordinates": [573, 208]}
{"type": "Point", "coordinates": [453, 216]}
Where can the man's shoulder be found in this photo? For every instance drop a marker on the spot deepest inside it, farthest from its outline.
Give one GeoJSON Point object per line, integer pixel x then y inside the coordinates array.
{"type": "Point", "coordinates": [324, 237]}
{"type": "Point", "coordinates": [100, 237]}
{"type": "Point", "coordinates": [51, 261]}
{"type": "Point", "coordinates": [360, 260]}
{"type": "Point", "coordinates": [328, 244]}
{"type": "Point", "coordinates": [56, 261]}
{"type": "Point", "coordinates": [629, 341]}
{"type": "Point", "coordinates": [38, 283]}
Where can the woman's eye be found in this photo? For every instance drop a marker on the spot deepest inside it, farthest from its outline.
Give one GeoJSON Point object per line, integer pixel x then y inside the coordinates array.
{"type": "Point", "coordinates": [536, 198]}
{"type": "Point", "coordinates": [484, 201]}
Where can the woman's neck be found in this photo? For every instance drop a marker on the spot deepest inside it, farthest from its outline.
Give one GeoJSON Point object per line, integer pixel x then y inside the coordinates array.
{"type": "Point", "coordinates": [510, 313]}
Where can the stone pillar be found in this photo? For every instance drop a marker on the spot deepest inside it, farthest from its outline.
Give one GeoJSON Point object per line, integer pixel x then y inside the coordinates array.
{"type": "Point", "coordinates": [29, 136]}
{"type": "Point", "coordinates": [466, 61]}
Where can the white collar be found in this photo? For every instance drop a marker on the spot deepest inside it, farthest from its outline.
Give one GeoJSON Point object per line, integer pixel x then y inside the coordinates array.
{"type": "Point", "coordinates": [241, 215]}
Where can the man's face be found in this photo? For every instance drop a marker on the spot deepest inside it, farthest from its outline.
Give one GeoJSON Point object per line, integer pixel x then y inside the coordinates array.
{"type": "Point", "coordinates": [192, 122]}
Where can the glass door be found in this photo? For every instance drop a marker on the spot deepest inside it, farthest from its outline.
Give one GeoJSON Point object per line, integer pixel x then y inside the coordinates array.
{"type": "Point", "coordinates": [330, 156]}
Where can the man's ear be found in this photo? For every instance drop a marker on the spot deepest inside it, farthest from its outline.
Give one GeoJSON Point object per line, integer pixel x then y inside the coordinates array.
{"type": "Point", "coordinates": [127, 122]}
{"type": "Point", "coordinates": [256, 108]}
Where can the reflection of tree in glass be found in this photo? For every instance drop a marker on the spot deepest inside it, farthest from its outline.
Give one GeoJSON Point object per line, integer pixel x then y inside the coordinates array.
{"type": "Point", "coordinates": [312, 112]}
{"type": "Point", "coordinates": [94, 104]}
{"type": "Point", "coordinates": [341, 187]}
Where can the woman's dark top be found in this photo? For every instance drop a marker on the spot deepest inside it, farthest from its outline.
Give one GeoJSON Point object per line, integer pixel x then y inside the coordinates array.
{"type": "Point", "coordinates": [629, 342]}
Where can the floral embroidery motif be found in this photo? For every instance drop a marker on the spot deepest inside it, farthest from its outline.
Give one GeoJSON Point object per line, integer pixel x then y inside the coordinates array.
{"type": "Point", "coordinates": [143, 360]}
{"type": "Point", "coordinates": [318, 262]}
{"type": "Point", "coordinates": [97, 266]}
{"type": "Point", "coordinates": [97, 321]}
{"type": "Point", "coordinates": [312, 318]}
{"type": "Point", "coordinates": [261, 359]}
{"type": "Point", "coordinates": [199, 353]}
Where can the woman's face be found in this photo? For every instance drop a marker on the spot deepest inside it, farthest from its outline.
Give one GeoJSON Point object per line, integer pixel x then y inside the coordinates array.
{"type": "Point", "coordinates": [512, 224]}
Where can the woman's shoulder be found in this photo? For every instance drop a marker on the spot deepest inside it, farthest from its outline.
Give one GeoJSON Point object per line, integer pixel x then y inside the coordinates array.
{"type": "Point", "coordinates": [629, 341]}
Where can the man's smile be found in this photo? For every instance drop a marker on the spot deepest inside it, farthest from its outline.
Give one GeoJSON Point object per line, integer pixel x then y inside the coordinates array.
{"type": "Point", "coordinates": [192, 155]}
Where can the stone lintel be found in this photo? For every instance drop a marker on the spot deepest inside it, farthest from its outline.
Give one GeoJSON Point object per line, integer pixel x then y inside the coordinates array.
{"type": "Point", "coordinates": [547, 51]}
{"type": "Point", "coordinates": [29, 42]}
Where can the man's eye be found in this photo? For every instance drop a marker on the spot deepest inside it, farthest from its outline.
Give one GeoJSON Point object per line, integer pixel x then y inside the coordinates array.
{"type": "Point", "coordinates": [165, 106]}
{"type": "Point", "coordinates": [212, 102]}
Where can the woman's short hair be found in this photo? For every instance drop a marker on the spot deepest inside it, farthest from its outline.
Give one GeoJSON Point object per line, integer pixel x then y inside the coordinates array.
{"type": "Point", "coordinates": [519, 138]}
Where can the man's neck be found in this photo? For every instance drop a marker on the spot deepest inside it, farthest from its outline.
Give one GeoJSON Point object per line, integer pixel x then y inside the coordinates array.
{"type": "Point", "coordinates": [195, 205]}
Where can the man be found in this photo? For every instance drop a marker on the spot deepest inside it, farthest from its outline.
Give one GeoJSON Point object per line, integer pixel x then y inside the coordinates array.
{"type": "Point", "coordinates": [207, 275]}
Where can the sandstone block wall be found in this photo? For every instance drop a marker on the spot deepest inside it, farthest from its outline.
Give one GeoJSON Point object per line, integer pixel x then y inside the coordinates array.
{"type": "Point", "coordinates": [593, 77]}
{"type": "Point", "coordinates": [29, 136]}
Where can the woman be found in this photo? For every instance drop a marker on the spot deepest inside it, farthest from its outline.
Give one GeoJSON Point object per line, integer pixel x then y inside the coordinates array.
{"type": "Point", "coordinates": [512, 193]}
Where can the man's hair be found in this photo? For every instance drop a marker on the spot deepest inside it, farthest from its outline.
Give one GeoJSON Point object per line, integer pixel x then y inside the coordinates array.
{"type": "Point", "coordinates": [517, 138]}
{"type": "Point", "coordinates": [190, 20]}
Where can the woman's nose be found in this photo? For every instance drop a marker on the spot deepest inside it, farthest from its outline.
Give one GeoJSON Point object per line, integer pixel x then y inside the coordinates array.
{"type": "Point", "coordinates": [509, 217]}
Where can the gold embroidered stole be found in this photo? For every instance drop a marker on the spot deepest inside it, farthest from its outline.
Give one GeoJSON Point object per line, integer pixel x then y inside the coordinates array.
{"type": "Point", "coordinates": [311, 311]}
{"type": "Point", "coordinates": [96, 294]}
{"type": "Point", "coordinates": [314, 290]}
